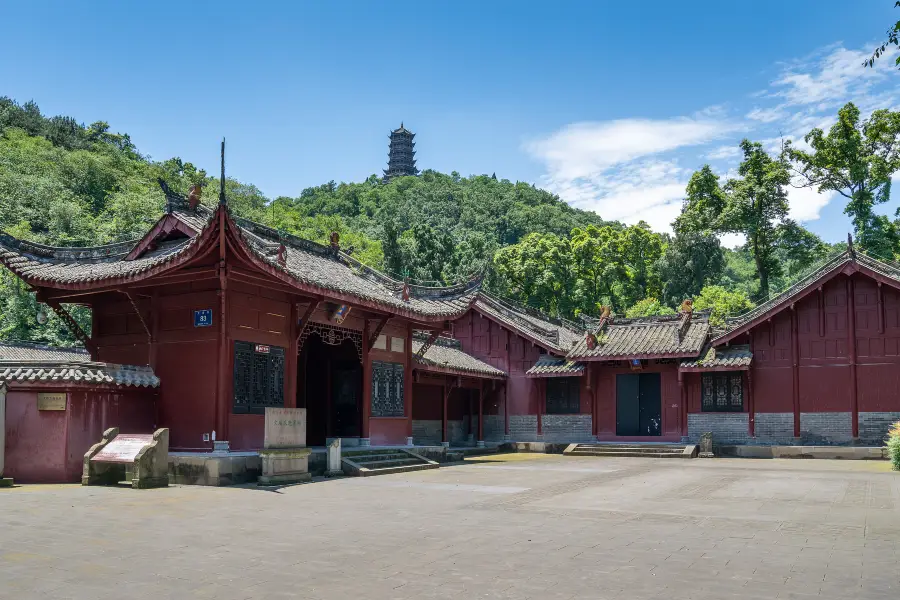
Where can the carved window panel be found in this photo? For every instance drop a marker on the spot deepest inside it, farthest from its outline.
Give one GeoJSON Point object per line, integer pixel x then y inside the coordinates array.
{"type": "Point", "coordinates": [258, 377]}
{"type": "Point", "coordinates": [723, 392]}
{"type": "Point", "coordinates": [563, 395]}
{"type": "Point", "coordinates": [387, 389]}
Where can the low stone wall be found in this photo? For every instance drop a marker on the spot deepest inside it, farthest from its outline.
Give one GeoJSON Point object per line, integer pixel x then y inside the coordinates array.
{"type": "Point", "coordinates": [775, 428]}
{"type": "Point", "coordinates": [873, 426]}
{"type": "Point", "coordinates": [209, 469]}
{"type": "Point", "coordinates": [566, 428]}
{"type": "Point", "coordinates": [493, 428]}
{"type": "Point", "coordinates": [826, 428]}
{"type": "Point", "coordinates": [426, 432]}
{"type": "Point", "coordinates": [727, 428]}
{"type": "Point", "coordinates": [523, 428]}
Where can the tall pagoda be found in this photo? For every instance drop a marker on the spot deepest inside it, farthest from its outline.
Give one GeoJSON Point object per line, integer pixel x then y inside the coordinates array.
{"type": "Point", "coordinates": [401, 154]}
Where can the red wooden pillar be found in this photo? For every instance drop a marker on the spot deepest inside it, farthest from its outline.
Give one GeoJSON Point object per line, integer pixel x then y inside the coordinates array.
{"type": "Point", "coordinates": [446, 392]}
{"type": "Point", "coordinates": [408, 386]}
{"type": "Point", "coordinates": [290, 377]}
{"type": "Point", "coordinates": [682, 400]}
{"type": "Point", "coordinates": [154, 328]}
{"type": "Point", "coordinates": [505, 410]}
{"type": "Point", "coordinates": [222, 389]}
{"type": "Point", "coordinates": [589, 373]}
{"type": "Point", "coordinates": [481, 415]}
{"type": "Point", "coordinates": [795, 369]}
{"type": "Point", "coordinates": [851, 343]}
{"type": "Point", "coordinates": [542, 393]}
{"type": "Point", "coordinates": [751, 404]}
{"type": "Point", "coordinates": [367, 385]}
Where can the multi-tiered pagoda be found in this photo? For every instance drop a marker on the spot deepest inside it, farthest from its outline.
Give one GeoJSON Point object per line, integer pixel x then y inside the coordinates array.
{"type": "Point", "coordinates": [401, 154]}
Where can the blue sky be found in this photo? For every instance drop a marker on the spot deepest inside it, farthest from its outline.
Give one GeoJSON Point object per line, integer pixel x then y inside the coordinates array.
{"type": "Point", "coordinates": [610, 104]}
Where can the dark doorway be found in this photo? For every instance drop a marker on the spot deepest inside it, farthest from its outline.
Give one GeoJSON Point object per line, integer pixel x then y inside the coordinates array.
{"type": "Point", "coordinates": [638, 405]}
{"type": "Point", "coordinates": [330, 387]}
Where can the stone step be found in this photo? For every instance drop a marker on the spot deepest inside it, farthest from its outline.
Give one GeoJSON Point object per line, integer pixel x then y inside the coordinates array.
{"type": "Point", "coordinates": [626, 453]}
{"type": "Point", "coordinates": [632, 450]}
{"type": "Point", "coordinates": [370, 452]}
{"type": "Point", "coordinates": [397, 462]}
{"type": "Point", "coordinates": [392, 470]}
{"type": "Point", "coordinates": [379, 457]}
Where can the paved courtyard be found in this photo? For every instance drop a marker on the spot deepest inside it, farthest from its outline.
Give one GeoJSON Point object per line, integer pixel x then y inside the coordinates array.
{"type": "Point", "coordinates": [514, 526]}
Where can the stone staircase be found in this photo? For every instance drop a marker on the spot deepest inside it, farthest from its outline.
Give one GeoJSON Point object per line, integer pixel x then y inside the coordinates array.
{"type": "Point", "coordinates": [366, 462]}
{"type": "Point", "coordinates": [615, 450]}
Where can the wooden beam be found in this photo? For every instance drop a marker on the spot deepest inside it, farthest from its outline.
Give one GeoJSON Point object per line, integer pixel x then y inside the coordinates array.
{"type": "Point", "coordinates": [304, 321]}
{"type": "Point", "coordinates": [880, 308]}
{"type": "Point", "coordinates": [821, 312]}
{"type": "Point", "coordinates": [74, 327]}
{"type": "Point", "coordinates": [795, 370]}
{"type": "Point", "coordinates": [378, 329]}
{"type": "Point", "coordinates": [427, 343]}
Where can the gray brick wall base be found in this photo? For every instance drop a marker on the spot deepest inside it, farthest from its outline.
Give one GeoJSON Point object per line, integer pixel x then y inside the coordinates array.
{"type": "Point", "coordinates": [825, 428]}
{"type": "Point", "coordinates": [493, 428]}
{"type": "Point", "coordinates": [775, 429]}
{"type": "Point", "coordinates": [727, 428]}
{"type": "Point", "coordinates": [426, 432]}
{"type": "Point", "coordinates": [873, 426]}
{"type": "Point", "coordinates": [523, 428]}
{"type": "Point", "coordinates": [566, 428]}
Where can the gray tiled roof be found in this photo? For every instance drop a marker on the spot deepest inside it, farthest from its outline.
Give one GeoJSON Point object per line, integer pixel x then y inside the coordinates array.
{"type": "Point", "coordinates": [665, 336]}
{"type": "Point", "coordinates": [827, 267]}
{"type": "Point", "coordinates": [551, 365]}
{"type": "Point", "coordinates": [18, 351]}
{"type": "Point", "coordinates": [735, 357]}
{"type": "Point", "coordinates": [446, 353]}
{"type": "Point", "coordinates": [307, 262]}
{"type": "Point", "coordinates": [32, 363]}
{"type": "Point", "coordinates": [556, 334]}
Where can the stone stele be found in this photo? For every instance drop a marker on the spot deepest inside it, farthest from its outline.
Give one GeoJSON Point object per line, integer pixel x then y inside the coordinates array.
{"type": "Point", "coordinates": [284, 457]}
{"type": "Point", "coordinates": [141, 459]}
{"type": "Point", "coordinates": [706, 446]}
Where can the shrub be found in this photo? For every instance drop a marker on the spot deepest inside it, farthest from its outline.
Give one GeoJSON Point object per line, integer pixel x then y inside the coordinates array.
{"type": "Point", "coordinates": [893, 446]}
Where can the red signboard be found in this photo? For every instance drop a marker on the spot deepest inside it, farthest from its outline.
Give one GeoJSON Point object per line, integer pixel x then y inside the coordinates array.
{"type": "Point", "coordinates": [123, 448]}
{"type": "Point", "coordinates": [262, 349]}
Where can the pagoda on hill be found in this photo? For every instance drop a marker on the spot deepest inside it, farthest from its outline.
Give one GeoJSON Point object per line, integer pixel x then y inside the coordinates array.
{"type": "Point", "coordinates": [401, 154]}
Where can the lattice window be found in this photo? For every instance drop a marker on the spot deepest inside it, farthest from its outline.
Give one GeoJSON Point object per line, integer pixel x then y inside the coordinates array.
{"type": "Point", "coordinates": [258, 377]}
{"type": "Point", "coordinates": [723, 392]}
{"type": "Point", "coordinates": [387, 389]}
{"type": "Point", "coordinates": [563, 395]}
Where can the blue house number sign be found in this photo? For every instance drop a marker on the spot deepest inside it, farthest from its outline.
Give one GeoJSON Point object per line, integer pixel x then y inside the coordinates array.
{"type": "Point", "coordinates": [203, 318]}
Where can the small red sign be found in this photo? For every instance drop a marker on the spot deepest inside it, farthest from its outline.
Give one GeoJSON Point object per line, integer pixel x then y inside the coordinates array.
{"type": "Point", "coordinates": [262, 349]}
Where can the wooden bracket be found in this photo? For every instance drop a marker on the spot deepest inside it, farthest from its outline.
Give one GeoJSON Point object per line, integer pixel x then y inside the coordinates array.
{"type": "Point", "coordinates": [378, 329]}
{"type": "Point", "coordinates": [140, 316]}
{"type": "Point", "coordinates": [74, 327]}
{"type": "Point", "coordinates": [304, 321]}
{"type": "Point", "coordinates": [427, 343]}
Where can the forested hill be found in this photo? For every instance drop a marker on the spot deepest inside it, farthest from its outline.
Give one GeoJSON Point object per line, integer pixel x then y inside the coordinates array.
{"type": "Point", "coordinates": [64, 183]}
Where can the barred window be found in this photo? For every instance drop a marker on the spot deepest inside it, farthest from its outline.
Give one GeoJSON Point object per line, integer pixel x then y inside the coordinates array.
{"type": "Point", "coordinates": [387, 389]}
{"type": "Point", "coordinates": [723, 392]}
{"type": "Point", "coordinates": [258, 377]}
{"type": "Point", "coordinates": [563, 396]}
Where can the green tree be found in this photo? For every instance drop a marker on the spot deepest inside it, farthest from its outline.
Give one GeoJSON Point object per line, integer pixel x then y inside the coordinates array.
{"type": "Point", "coordinates": [893, 39]}
{"type": "Point", "coordinates": [723, 303]}
{"type": "Point", "coordinates": [856, 159]}
{"type": "Point", "coordinates": [648, 307]}
{"type": "Point", "coordinates": [691, 260]}
{"type": "Point", "coordinates": [754, 204]}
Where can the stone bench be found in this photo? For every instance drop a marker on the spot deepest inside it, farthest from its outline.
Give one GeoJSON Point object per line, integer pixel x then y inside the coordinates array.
{"type": "Point", "coordinates": [142, 459]}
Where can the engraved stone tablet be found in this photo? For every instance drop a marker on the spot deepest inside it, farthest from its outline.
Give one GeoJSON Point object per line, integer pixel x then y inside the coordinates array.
{"type": "Point", "coordinates": [285, 428]}
{"type": "Point", "coordinates": [123, 449]}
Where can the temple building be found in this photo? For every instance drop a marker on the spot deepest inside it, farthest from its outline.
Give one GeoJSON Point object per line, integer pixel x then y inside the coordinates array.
{"type": "Point", "coordinates": [209, 319]}
{"type": "Point", "coordinates": [401, 154]}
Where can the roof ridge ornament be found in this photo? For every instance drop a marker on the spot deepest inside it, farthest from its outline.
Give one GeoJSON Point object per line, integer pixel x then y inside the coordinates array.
{"type": "Point", "coordinates": [222, 200]}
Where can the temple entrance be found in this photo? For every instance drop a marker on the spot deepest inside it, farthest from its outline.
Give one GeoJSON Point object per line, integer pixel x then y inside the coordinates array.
{"type": "Point", "coordinates": [638, 405]}
{"type": "Point", "coordinates": [330, 384]}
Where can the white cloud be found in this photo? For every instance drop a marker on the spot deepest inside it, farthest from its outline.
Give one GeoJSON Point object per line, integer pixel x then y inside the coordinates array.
{"type": "Point", "coordinates": [732, 240]}
{"type": "Point", "coordinates": [767, 115]}
{"type": "Point", "coordinates": [724, 152]}
{"type": "Point", "coordinates": [614, 168]}
{"type": "Point", "coordinates": [806, 203]}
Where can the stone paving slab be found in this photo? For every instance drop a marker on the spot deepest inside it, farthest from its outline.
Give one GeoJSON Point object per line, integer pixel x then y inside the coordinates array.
{"type": "Point", "coordinates": [513, 526]}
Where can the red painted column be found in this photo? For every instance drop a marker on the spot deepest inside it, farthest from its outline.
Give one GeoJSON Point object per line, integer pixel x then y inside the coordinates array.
{"type": "Point", "coordinates": [445, 394]}
{"type": "Point", "coordinates": [408, 386]}
{"type": "Point", "coordinates": [367, 385]}
{"type": "Point", "coordinates": [682, 398]}
{"type": "Point", "coordinates": [751, 404]}
{"type": "Point", "coordinates": [481, 415]}
{"type": "Point", "coordinates": [542, 391]}
{"type": "Point", "coordinates": [851, 342]}
{"type": "Point", "coordinates": [795, 370]}
{"type": "Point", "coordinates": [154, 328]}
{"type": "Point", "coordinates": [290, 378]}
{"type": "Point", "coordinates": [222, 389]}
{"type": "Point", "coordinates": [506, 410]}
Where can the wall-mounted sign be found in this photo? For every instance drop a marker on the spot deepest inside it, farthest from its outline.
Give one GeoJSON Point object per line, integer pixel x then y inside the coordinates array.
{"type": "Point", "coordinates": [261, 349]}
{"type": "Point", "coordinates": [636, 364]}
{"type": "Point", "coordinates": [203, 318]}
{"type": "Point", "coordinates": [51, 401]}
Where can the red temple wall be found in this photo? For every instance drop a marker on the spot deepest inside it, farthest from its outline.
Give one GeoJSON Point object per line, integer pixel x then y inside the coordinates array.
{"type": "Point", "coordinates": [670, 400]}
